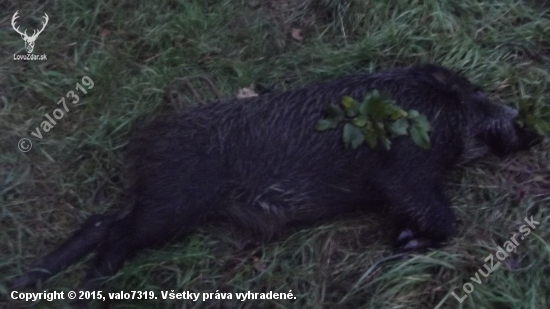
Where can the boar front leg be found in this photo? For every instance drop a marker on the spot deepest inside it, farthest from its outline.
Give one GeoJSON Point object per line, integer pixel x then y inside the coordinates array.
{"type": "Point", "coordinates": [423, 213]}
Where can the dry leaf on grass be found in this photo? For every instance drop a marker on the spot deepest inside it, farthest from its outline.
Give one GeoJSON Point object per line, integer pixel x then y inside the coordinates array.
{"type": "Point", "coordinates": [246, 92]}
{"type": "Point", "coordinates": [296, 34]}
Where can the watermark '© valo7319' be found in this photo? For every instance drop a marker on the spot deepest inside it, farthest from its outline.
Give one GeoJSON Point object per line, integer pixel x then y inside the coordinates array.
{"type": "Point", "coordinates": [501, 255]}
{"type": "Point", "coordinates": [25, 144]}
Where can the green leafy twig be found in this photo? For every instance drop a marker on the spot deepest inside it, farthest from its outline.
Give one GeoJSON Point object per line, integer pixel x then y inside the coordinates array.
{"type": "Point", "coordinates": [376, 119]}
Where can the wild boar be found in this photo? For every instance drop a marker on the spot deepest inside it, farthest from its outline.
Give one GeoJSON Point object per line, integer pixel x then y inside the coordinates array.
{"type": "Point", "coordinates": [259, 162]}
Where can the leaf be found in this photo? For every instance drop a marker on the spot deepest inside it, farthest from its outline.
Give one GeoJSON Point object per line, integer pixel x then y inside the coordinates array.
{"type": "Point", "coordinates": [413, 114]}
{"type": "Point", "coordinates": [352, 136]}
{"type": "Point", "coordinates": [357, 141]}
{"type": "Point", "coordinates": [246, 92]}
{"type": "Point", "coordinates": [374, 95]}
{"type": "Point", "coordinates": [370, 138]}
{"type": "Point", "coordinates": [353, 111]}
{"type": "Point", "coordinates": [105, 33]}
{"type": "Point", "coordinates": [325, 124]}
{"type": "Point", "coordinates": [420, 137]}
{"type": "Point", "coordinates": [422, 122]}
{"type": "Point", "coordinates": [364, 106]}
{"type": "Point", "coordinates": [348, 102]}
{"type": "Point", "coordinates": [376, 108]}
{"type": "Point", "coordinates": [360, 121]}
{"type": "Point", "coordinates": [350, 106]}
{"type": "Point", "coordinates": [334, 111]}
{"type": "Point", "coordinates": [296, 34]}
{"type": "Point", "coordinates": [398, 127]}
{"type": "Point", "coordinates": [378, 131]}
{"type": "Point", "coordinates": [386, 143]}
{"type": "Point", "coordinates": [397, 113]}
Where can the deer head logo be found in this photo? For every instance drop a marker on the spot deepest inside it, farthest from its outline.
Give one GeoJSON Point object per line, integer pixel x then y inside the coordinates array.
{"type": "Point", "coordinates": [29, 40]}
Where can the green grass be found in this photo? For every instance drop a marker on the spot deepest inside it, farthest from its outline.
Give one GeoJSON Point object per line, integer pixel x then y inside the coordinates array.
{"type": "Point", "coordinates": [134, 49]}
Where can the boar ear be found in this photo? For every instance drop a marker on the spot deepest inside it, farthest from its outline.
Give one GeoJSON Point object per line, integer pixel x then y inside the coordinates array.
{"type": "Point", "coordinates": [442, 80]}
{"type": "Point", "coordinates": [459, 91]}
{"type": "Point", "coordinates": [447, 82]}
{"type": "Point", "coordinates": [440, 77]}
{"type": "Point", "coordinates": [450, 84]}
{"type": "Point", "coordinates": [436, 75]}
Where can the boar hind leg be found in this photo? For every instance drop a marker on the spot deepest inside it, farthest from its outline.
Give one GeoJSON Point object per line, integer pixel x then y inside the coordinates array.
{"type": "Point", "coordinates": [424, 217]}
{"type": "Point", "coordinates": [152, 223]}
{"type": "Point", "coordinates": [81, 243]}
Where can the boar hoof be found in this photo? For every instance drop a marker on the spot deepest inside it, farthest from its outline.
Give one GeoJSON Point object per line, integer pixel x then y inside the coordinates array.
{"type": "Point", "coordinates": [407, 241]}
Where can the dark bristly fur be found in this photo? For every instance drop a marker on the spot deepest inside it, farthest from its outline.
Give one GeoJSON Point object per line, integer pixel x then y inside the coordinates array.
{"type": "Point", "coordinates": [260, 162]}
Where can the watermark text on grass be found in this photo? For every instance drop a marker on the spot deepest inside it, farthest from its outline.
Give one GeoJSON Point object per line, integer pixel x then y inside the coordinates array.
{"type": "Point", "coordinates": [501, 255]}
{"type": "Point", "coordinates": [30, 57]}
{"type": "Point", "coordinates": [25, 144]}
